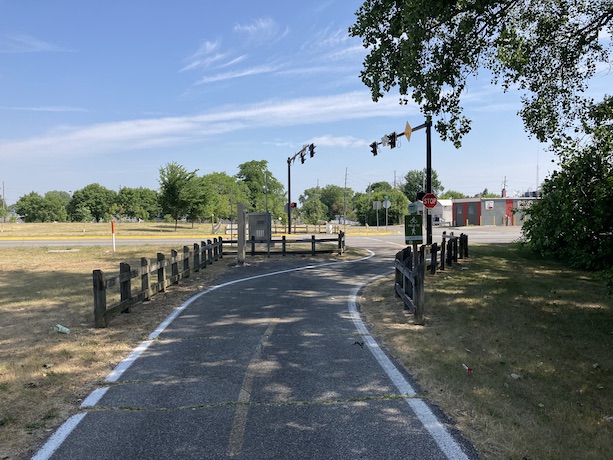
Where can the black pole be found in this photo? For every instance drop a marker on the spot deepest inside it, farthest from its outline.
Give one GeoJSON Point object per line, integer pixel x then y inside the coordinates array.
{"type": "Point", "coordinates": [429, 175]}
{"type": "Point", "coordinates": [289, 196]}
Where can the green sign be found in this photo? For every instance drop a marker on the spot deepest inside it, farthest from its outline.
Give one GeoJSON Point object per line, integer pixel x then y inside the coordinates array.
{"type": "Point", "coordinates": [413, 229]}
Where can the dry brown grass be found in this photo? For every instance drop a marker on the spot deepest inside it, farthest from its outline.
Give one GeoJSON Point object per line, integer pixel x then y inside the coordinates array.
{"type": "Point", "coordinates": [539, 338]}
{"type": "Point", "coordinates": [44, 374]}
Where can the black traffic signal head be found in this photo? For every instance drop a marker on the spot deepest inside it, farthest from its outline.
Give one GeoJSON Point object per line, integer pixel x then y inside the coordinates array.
{"type": "Point", "coordinates": [302, 158]}
{"type": "Point", "coordinates": [421, 195]}
{"type": "Point", "coordinates": [312, 150]}
{"type": "Point", "coordinates": [373, 148]}
{"type": "Point", "coordinates": [293, 204]}
{"type": "Point", "coordinates": [392, 139]}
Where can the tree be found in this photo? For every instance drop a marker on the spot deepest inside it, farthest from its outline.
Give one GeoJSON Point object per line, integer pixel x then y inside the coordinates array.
{"type": "Point", "coordinates": [93, 197]}
{"type": "Point", "coordinates": [256, 176]}
{"type": "Point", "coordinates": [415, 182]}
{"type": "Point", "coordinates": [379, 186]}
{"type": "Point", "coordinates": [137, 203]}
{"type": "Point", "coordinates": [312, 210]}
{"type": "Point", "coordinates": [573, 219]}
{"type": "Point", "coordinates": [35, 208]}
{"type": "Point", "coordinates": [174, 194]}
{"type": "Point", "coordinates": [547, 49]}
{"type": "Point", "coordinates": [366, 215]}
{"type": "Point", "coordinates": [31, 207]}
{"type": "Point", "coordinates": [226, 193]}
{"type": "Point", "coordinates": [338, 200]}
{"type": "Point", "coordinates": [450, 194]}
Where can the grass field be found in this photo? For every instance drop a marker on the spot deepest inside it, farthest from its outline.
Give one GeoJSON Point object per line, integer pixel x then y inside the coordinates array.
{"type": "Point", "coordinates": [538, 338]}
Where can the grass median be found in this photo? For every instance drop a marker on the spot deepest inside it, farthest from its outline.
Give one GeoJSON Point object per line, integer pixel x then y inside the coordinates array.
{"type": "Point", "coordinates": [519, 352]}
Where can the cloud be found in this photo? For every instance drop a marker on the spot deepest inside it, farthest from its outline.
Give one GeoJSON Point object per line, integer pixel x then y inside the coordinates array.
{"type": "Point", "coordinates": [237, 74]}
{"type": "Point", "coordinates": [22, 43]}
{"type": "Point", "coordinates": [205, 56]}
{"type": "Point", "coordinates": [263, 30]}
{"type": "Point", "coordinates": [139, 134]}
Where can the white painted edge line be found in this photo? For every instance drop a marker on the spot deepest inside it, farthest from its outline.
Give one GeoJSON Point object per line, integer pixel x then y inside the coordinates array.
{"type": "Point", "coordinates": [56, 440]}
{"type": "Point", "coordinates": [450, 448]}
{"type": "Point", "coordinates": [58, 437]}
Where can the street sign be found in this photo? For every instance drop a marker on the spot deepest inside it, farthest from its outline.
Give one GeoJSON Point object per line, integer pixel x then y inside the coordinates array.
{"type": "Point", "coordinates": [407, 131]}
{"type": "Point", "coordinates": [429, 200]}
{"type": "Point", "coordinates": [415, 207]}
{"type": "Point", "coordinates": [413, 229]}
{"type": "Point", "coordinates": [387, 204]}
{"type": "Point", "coordinates": [376, 205]}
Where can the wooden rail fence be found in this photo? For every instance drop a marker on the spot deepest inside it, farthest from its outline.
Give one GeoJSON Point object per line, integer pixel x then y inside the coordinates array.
{"type": "Point", "coordinates": [410, 268]}
{"type": "Point", "coordinates": [260, 246]}
{"type": "Point", "coordinates": [154, 277]}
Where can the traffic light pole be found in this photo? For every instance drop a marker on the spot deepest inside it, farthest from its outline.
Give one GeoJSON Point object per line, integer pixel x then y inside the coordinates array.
{"type": "Point", "coordinates": [290, 160]}
{"type": "Point", "coordinates": [428, 126]}
{"type": "Point", "coordinates": [289, 195]}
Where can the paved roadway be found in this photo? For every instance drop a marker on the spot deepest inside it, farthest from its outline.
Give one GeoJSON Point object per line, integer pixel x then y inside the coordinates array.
{"type": "Point", "coordinates": [272, 362]}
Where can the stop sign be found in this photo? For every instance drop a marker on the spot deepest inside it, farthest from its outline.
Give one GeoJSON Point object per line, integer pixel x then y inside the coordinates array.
{"type": "Point", "coordinates": [429, 200]}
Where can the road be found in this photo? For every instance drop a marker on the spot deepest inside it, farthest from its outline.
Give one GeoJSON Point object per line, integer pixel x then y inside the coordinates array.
{"type": "Point", "coordinates": [393, 235]}
{"type": "Point", "coordinates": [272, 362]}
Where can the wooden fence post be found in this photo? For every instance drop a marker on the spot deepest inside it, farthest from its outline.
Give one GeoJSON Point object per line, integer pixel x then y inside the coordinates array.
{"type": "Point", "coordinates": [174, 268]}
{"type": "Point", "coordinates": [196, 257]}
{"type": "Point", "coordinates": [433, 258]}
{"type": "Point", "coordinates": [215, 250]}
{"type": "Point", "coordinates": [418, 292]}
{"type": "Point", "coordinates": [203, 261]}
{"type": "Point", "coordinates": [209, 246]}
{"type": "Point", "coordinates": [283, 243]}
{"type": "Point", "coordinates": [186, 261]}
{"type": "Point", "coordinates": [99, 281]}
{"type": "Point", "coordinates": [145, 278]}
{"type": "Point", "coordinates": [161, 259]}
{"type": "Point", "coordinates": [443, 254]}
{"type": "Point", "coordinates": [312, 245]}
{"type": "Point", "coordinates": [125, 284]}
{"type": "Point", "coordinates": [220, 239]}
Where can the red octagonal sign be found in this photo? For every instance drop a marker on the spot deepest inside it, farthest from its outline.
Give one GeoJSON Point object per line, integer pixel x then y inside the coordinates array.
{"type": "Point", "coordinates": [429, 200]}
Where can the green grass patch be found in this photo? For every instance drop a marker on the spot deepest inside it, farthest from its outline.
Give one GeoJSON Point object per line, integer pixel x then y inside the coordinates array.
{"type": "Point", "coordinates": [538, 338]}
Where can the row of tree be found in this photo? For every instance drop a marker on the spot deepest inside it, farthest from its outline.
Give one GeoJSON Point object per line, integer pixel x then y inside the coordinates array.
{"type": "Point", "coordinates": [184, 194]}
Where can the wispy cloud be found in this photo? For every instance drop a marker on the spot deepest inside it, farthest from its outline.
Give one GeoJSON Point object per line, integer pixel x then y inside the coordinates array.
{"type": "Point", "coordinates": [27, 44]}
{"type": "Point", "coordinates": [262, 30]}
{"type": "Point", "coordinates": [238, 74]}
{"type": "Point", "coordinates": [206, 55]}
{"type": "Point", "coordinates": [174, 131]}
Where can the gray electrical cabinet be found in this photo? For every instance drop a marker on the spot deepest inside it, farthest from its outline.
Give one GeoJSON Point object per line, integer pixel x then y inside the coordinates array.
{"type": "Point", "coordinates": [259, 227]}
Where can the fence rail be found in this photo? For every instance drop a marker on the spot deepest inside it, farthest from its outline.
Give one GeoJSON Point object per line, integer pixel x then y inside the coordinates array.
{"type": "Point", "coordinates": [260, 246]}
{"type": "Point", "coordinates": [164, 271]}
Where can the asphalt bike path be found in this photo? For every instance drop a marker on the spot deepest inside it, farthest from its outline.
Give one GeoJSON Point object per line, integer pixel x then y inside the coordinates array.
{"type": "Point", "coordinates": [273, 362]}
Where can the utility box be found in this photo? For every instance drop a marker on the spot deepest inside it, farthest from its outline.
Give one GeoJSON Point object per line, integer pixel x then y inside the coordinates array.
{"type": "Point", "coordinates": [259, 227]}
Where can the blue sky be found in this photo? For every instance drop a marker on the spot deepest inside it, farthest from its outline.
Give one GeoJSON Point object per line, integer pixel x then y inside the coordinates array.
{"type": "Point", "coordinates": [111, 91]}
